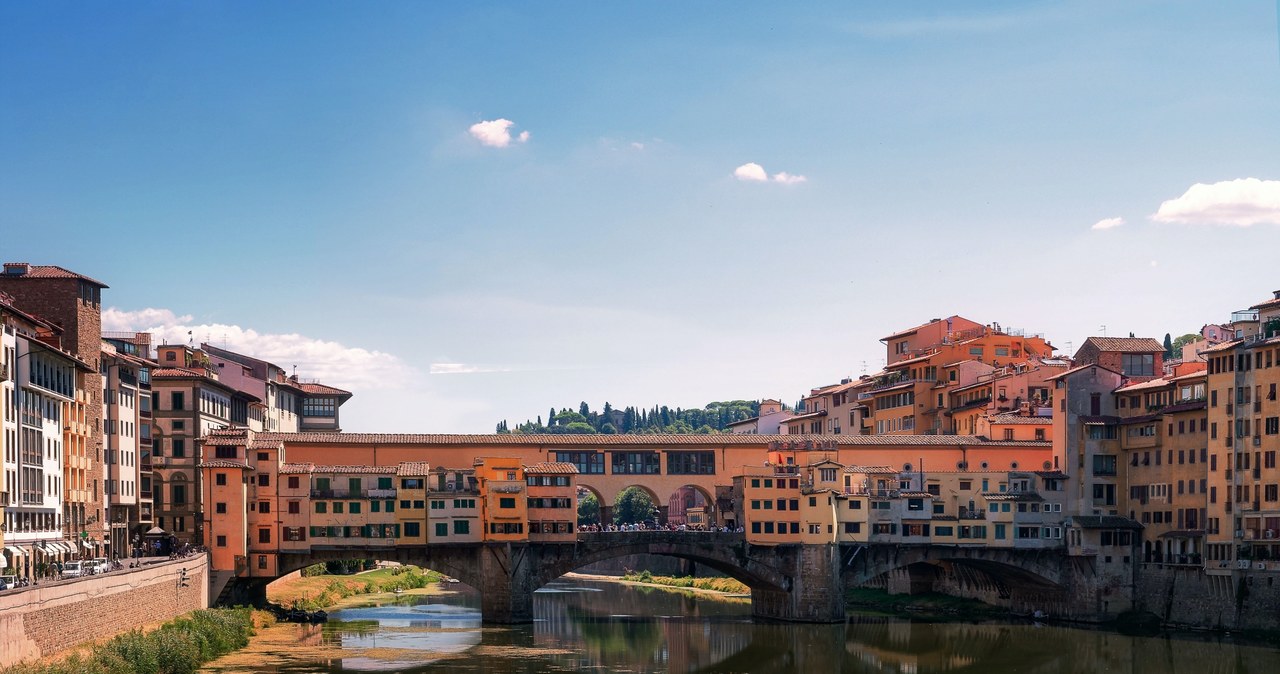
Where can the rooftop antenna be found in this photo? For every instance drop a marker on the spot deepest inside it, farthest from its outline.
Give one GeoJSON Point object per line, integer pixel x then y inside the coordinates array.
{"type": "Point", "coordinates": [864, 368]}
{"type": "Point", "coordinates": [1104, 331]}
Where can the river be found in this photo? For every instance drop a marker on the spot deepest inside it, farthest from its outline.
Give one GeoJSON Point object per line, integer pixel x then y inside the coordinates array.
{"type": "Point", "coordinates": [585, 625]}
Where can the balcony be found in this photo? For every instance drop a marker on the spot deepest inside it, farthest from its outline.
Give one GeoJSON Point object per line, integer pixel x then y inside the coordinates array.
{"type": "Point", "coordinates": [382, 493]}
{"type": "Point", "coordinates": [975, 514]}
{"type": "Point", "coordinates": [339, 493]}
{"type": "Point", "coordinates": [873, 493]}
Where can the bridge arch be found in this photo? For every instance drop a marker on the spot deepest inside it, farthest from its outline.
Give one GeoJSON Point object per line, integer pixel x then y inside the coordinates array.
{"type": "Point", "coordinates": [686, 497]}
{"type": "Point", "coordinates": [648, 491]}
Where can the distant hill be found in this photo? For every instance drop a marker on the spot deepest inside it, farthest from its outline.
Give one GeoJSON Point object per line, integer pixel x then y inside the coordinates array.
{"type": "Point", "coordinates": [714, 418]}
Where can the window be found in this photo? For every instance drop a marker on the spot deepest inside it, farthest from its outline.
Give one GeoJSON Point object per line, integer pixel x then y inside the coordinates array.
{"type": "Point", "coordinates": [177, 399]}
{"type": "Point", "coordinates": [264, 506]}
{"type": "Point", "coordinates": [224, 452]}
{"type": "Point", "coordinates": [691, 463]}
{"type": "Point", "coordinates": [353, 508]}
{"type": "Point", "coordinates": [1008, 433]}
{"type": "Point", "coordinates": [442, 529]}
{"type": "Point", "coordinates": [322, 507]}
{"type": "Point", "coordinates": [293, 482]}
{"type": "Point", "coordinates": [462, 527]}
{"type": "Point", "coordinates": [220, 479]}
{"type": "Point", "coordinates": [1138, 364]}
{"type": "Point", "coordinates": [264, 535]}
{"type": "Point", "coordinates": [337, 507]}
{"type": "Point", "coordinates": [178, 448]}
{"type": "Point", "coordinates": [264, 480]}
{"type": "Point", "coordinates": [635, 463]}
{"type": "Point", "coordinates": [588, 463]}
{"type": "Point", "coordinates": [220, 508]}
{"type": "Point", "coordinates": [506, 503]}
{"type": "Point", "coordinates": [412, 529]}
{"type": "Point", "coordinates": [295, 507]}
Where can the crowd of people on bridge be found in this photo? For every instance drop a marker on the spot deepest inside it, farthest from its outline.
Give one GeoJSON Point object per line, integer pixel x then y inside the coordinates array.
{"type": "Point", "coordinates": [654, 525]}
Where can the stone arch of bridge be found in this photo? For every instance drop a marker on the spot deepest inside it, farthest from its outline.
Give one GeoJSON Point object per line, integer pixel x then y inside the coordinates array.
{"type": "Point", "coordinates": [730, 557]}
{"type": "Point", "coordinates": [455, 561]}
{"type": "Point", "coordinates": [596, 492]}
{"type": "Point", "coordinates": [674, 508]}
{"type": "Point", "coordinates": [1041, 569]}
{"type": "Point", "coordinates": [653, 496]}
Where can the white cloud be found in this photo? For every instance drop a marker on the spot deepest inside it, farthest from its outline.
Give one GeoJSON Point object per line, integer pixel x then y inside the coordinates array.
{"type": "Point", "coordinates": [755, 173]}
{"type": "Point", "coordinates": [464, 368]}
{"type": "Point", "coordinates": [1243, 202]}
{"type": "Point", "coordinates": [637, 146]}
{"type": "Point", "coordinates": [1155, 263]}
{"type": "Point", "coordinates": [333, 363]}
{"type": "Point", "coordinates": [751, 172]}
{"type": "Point", "coordinates": [1108, 223]}
{"type": "Point", "coordinates": [496, 133]}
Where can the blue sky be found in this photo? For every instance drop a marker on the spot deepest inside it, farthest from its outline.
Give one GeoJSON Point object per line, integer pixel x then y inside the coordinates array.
{"type": "Point", "coordinates": [305, 181]}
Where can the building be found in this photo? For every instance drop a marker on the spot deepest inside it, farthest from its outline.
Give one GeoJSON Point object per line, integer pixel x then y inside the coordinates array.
{"type": "Point", "coordinates": [73, 303]}
{"type": "Point", "coordinates": [552, 502]}
{"type": "Point", "coordinates": [771, 420]}
{"type": "Point", "coordinates": [126, 426]}
{"type": "Point", "coordinates": [503, 500]}
{"type": "Point", "coordinates": [455, 506]}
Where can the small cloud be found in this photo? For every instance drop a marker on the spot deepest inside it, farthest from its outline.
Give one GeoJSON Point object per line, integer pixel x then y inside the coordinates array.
{"type": "Point", "coordinates": [115, 320]}
{"type": "Point", "coordinates": [755, 173]}
{"type": "Point", "coordinates": [496, 133]}
{"type": "Point", "coordinates": [1243, 202]}
{"type": "Point", "coordinates": [1108, 223]}
{"type": "Point", "coordinates": [637, 146]}
{"type": "Point", "coordinates": [751, 172]}
{"type": "Point", "coordinates": [464, 368]}
{"type": "Point", "coordinates": [1154, 263]}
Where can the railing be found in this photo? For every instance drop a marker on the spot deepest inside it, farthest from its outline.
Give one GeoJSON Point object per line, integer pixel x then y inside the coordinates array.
{"type": "Point", "coordinates": [873, 493]}
{"type": "Point", "coordinates": [339, 493]}
{"type": "Point", "coordinates": [382, 493]}
{"type": "Point", "coordinates": [975, 514]}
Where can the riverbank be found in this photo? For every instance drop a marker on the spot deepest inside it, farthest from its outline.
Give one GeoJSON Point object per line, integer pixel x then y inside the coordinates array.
{"type": "Point", "coordinates": [656, 582]}
{"type": "Point", "coordinates": [323, 591]}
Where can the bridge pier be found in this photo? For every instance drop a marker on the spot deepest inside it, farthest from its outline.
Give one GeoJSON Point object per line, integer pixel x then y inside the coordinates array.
{"type": "Point", "coordinates": [815, 593]}
{"type": "Point", "coordinates": [507, 582]}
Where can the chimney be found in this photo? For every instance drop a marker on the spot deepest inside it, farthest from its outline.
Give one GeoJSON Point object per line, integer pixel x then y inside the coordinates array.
{"type": "Point", "coordinates": [17, 268]}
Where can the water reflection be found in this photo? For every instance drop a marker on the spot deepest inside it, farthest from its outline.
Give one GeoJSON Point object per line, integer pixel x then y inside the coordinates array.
{"type": "Point", "coordinates": [604, 627]}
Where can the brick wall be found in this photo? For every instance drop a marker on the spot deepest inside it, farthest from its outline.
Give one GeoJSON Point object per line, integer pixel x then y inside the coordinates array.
{"type": "Point", "coordinates": [52, 617]}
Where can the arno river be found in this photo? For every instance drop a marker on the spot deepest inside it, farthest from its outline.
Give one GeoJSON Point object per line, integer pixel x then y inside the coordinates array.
{"type": "Point", "coordinates": [608, 627]}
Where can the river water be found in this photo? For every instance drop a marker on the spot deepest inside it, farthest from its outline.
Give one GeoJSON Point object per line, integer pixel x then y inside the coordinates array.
{"type": "Point", "coordinates": [582, 625]}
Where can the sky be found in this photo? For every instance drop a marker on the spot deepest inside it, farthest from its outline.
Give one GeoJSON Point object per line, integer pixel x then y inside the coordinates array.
{"type": "Point", "coordinates": [471, 212]}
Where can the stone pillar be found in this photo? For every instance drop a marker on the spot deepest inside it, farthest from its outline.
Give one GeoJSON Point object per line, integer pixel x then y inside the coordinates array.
{"type": "Point", "coordinates": [506, 587]}
{"type": "Point", "coordinates": [606, 515]}
{"type": "Point", "coordinates": [814, 594]}
{"type": "Point", "coordinates": [663, 514]}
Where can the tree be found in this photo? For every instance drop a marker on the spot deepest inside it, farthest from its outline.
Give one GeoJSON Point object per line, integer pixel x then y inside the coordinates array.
{"type": "Point", "coordinates": [589, 509]}
{"type": "Point", "coordinates": [579, 428]}
{"type": "Point", "coordinates": [1168, 346]}
{"type": "Point", "coordinates": [1189, 338]}
{"type": "Point", "coordinates": [634, 505]}
{"type": "Point", "coordinates": [584, 409]}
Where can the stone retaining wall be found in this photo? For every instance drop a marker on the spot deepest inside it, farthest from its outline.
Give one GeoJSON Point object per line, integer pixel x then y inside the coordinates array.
{"type": "Point", "coordinates": [53, 617]}
{"type": "Point", "coordinates": [1187, 596]}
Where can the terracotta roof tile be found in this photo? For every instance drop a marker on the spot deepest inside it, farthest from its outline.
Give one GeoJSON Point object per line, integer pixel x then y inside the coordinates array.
{"type": "Point", "coordinates": [551, 468]}
{"type": "Point", "coordinates": [1141, 386]}
{"type": "Point", "coordinates": [1018, 419]}
{"type": "Point", "coordinates": [54, 271]}
{"type": "Point", "coordinates": [224, 463]}
{"type": "Point", "coordinates": [296, 468]}
{"type": "Point", "coordinates": [321, 389]}
{"type": "Point", "coordinates": [605, 441]}
{"type": "Point", "coordinates": [349, 470]}
{"type": "Point", "coordinates": [413, 469]}
{"type": "Point", "coordinates": [1268, 304]}
{"type": "Point", "coordinates": [871, 470]}
{"type": "Point", "coordinates": [1125, 344]}
{"type": "Point", "coordinates": [176, 372]}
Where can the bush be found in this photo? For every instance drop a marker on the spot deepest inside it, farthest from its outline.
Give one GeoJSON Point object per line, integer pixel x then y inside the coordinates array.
{"type": "Point", "coordinates": [315, 570]}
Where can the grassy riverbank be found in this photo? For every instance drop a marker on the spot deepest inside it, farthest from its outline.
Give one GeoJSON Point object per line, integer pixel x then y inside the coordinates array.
{"type": "Point", "coordinates": [322, 591]}
{"type": "Point", "coordinates": [726, 585]}
{"type": "Point", "coordinates": [176, 647]}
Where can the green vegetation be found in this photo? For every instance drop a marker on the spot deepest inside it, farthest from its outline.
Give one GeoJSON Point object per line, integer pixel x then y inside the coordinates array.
{"type": "Point", "coordinates": [321, 591]}
{"type": "Point", "coordinates": [634, 505]}
{"type": "Point", "coordinates": [177, 647]}
{"type": "Point", "coordinates": [717, 584]}
{"type": "Point", "coordinates": [589, 510]}
{"type": "Point", "coordinates": [714, 418]}
{"type": "Point", "coordinates": [927, 603]}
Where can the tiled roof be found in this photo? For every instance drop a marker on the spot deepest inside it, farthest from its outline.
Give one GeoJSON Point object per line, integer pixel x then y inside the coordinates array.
{"type": "Point", "coordinates": [1142, 386]}
{"type": "Point", "coordinates": [321, 389]}
{"type": "Point", "coordinates": [1018, 419]}
{"type": "Point", "coordinates": [1125, 344]}
{"type": "Point", "coordinates": [915, 494]}
{"type": "Point", "coordinates": [1052, 474]}
{"type": "Point", "coordinates": [551, 468]}
{"type": "Point", "coordinates": [413, 468]}
{"type": "Point", "coordinates": [1268, 304]}
{"type": "Point", "coordinates": [264, 444]}
{"type": "Point", "coordinates": [603, 441]}
{"type": "Point", "coordinates": [1103, 522]}
{"type": "Point", "coordinates": [1198, 374]}
{"type": "Point", "coordinates": [224, 463]}
{"type": "Point", "coordinates": [808, 415]}
{"type": "Point", "coordinates": [744, 421]}
{"type": "Point", "coordinates": [176, 372]}
{"type": "Point", "coordinates": [346, 470]}
{"type": "Point", "coordinates": [1224, 346]}
{"type": "Point", "coordinates": [871, 470]}
{"type": "Point", "coordinates": [1099, 419]}
{"type": "Point", "coordinates": [296, 468]}
{"type": "Point", "coordinates": [1081, 368]}
{"type": "Point", "coordinates": [54, 271]}
{"type": "Point", "coordinates": [1190, 406]}
{"type": "Point", "coordinates": [1012, 496]}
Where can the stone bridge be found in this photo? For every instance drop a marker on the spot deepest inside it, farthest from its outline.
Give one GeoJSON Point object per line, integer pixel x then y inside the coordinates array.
{"type": "Point", "coordinates": [800, 583]}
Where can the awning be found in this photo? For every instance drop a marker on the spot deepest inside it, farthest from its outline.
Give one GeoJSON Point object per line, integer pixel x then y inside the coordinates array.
{"type": "Point", "coordinates": [155, 531]}
{"type": "Point", "coordinates": [86, 544]}
{"type": "Point", "coordinates": [16, 552]}
{"type": "Point", "coordinates": [54, 548]}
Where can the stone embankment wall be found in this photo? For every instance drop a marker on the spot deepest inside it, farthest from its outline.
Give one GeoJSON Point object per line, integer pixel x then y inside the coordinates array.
{"type": "Point", "coordinates": [1187, 596]}
{"type": "Point", "coordinates": [55, 616]}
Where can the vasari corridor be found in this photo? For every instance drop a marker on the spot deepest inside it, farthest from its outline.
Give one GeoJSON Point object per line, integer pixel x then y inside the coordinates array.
{"type": "Point", "coordinates": [719, 337]}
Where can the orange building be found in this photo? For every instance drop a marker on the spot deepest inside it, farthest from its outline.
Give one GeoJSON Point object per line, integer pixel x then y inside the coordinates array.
{"type": "Point", "coordinates": [552, 502]}
{"type": "Point", "coordinates": [505, 506]}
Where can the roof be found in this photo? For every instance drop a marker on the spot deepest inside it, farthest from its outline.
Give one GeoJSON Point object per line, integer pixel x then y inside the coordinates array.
{"type": "Point", "coordinates": [551, 468]}
{"type": "Point", "coordinates": [296, 468]}
{"type": "Point", "coordinates": [809, 415]}
{"type": "Point", "coordinates": [744, 421]}
{"type": "Point", "coordinates": [1275, 302]}
{"type": "Point", "coordinates": [224, 463]}
{"type": "Point", "coordinates": [371, 470]}
{"type": "Point", "coordinates": [1198, 374]}
{"type": "Point", "coordinates": [47, 271]}
{"type": "Point", "coordinates": [321, 389]}
{"type": "Point", "coordinates": [1074, 370]}
{"type": "Point", "coordinates": [176, 372]}
{"type": "Point", "coordinates": [1012, 496]}
{"type": "Point", "coordinates": [1018, 419]}
{"type": "Point", "coordinates": [1123, 344]}
{"type": "Point", "coordinates": [602, 441]}
{"type": "Point", "coordinates": [1223, 346]}
{"type": "Point", "coordinates": [1103, 521]}
{"type": "Point", "coordinates": [1142, 386]}
{"type": "Point", "coordinates": [1189, 406]}
{"type": "Point", "coordinates": [1052, 474]}
{"type": "Point", "coordinates": [871, 470]}
{"type": "Point", "coordinates": [413, 468]}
